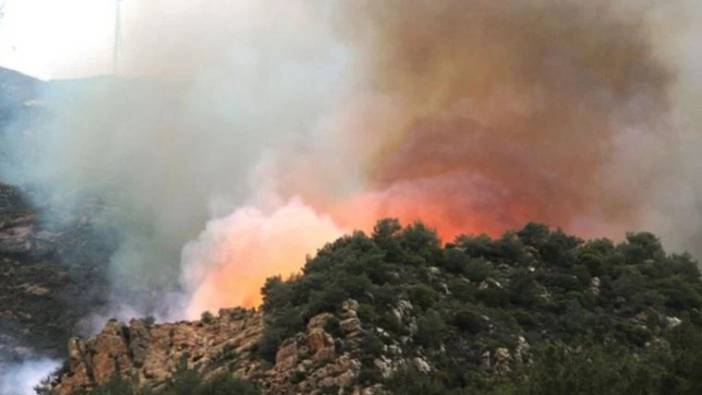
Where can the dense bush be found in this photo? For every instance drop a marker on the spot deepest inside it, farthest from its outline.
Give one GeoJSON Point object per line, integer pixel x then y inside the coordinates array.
{"type": "Point", "coordinates": [590, 369]}
{"type": "Point", "coordinates": [184, 382]}
{"type": "Point", "coordinates": [570, 299]}
{"type": "Point", "coordinates": [468, 321]}
{"type": "Point", "coordinates": [221, 385]}
{"type": "Point", "coordinates": [411, 382]}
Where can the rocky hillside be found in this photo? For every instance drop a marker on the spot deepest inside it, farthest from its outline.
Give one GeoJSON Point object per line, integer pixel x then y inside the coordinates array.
{"type": "Point", "coordinates": [52, 264]}
{"type": "Point", "coordinates": [310, 362]}
{"type": "Point", "coordinates": [534, 312]}
{"type": "Point", "coordinates": [152, 353]}
{"type": "Point", "coordinates": [17, 94]}
{"type": "Point", "coordinates": [51, 277]}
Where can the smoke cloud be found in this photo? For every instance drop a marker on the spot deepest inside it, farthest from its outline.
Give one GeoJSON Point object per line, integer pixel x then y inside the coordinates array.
{"type": "Point", "coordinates": [506, 112]}
{"type": "Point", "coordinates": [21, 378]}
{"type": "Point", "coordinates": [244, 135]}
{"type": "Point", "coordinates": [248, 246]}
{"type": "Point", "coordinates": [204, 110]}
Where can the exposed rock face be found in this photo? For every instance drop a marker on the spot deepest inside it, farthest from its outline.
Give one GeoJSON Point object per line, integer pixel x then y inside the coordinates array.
{"type": "Point", "coordinates": [20, 234]}
{"type": "Point", "coordinates": [309, 363]}
{"type": "Point", "coordinates": [321, 343]}
{"type": "Point", "coordinates": [15, 236]}
{"type": "Point", "coordinates": [152, 353]}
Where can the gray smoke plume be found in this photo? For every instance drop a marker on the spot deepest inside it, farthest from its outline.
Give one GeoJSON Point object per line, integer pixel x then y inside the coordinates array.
{"type": "Point", "coordinates": [248, 131]}
{"type": "Point", "coordinates": [211, 94]}
{"type": "Point", "coordinates": [488, 114]}
{"type": "Point", "coordinates": [21, 378]}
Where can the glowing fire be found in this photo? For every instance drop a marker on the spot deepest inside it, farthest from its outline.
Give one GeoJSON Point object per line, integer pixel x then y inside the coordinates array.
{"type": "Point", "coordinates": [468, 138]}
{"type": "Point", "coordinates": [229, 263]}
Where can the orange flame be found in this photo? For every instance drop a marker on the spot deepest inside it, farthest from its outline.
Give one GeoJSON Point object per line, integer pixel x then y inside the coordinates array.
{"type": "Point", "coordinates": [473, 117]}
{"type": "Point", "coordinates": [229, 263]}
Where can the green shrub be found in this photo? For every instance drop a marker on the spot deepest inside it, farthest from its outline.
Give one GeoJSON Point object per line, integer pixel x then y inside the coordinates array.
{"type": "Point", "coordinates": [184, 382]}
{"type": "Point", "coordinates": [332, 327]}
{"type": "Point", "coordinates": [371, 346]}
{"type": "Point", "coordinates": [190, 382]}
{"type": "Point", "coordinates": [589, 369]}
{"type": "Point", "coordinates": [524, 289]}
{"type": "Point", "coordinates": [207, 318]}
{"type": "Point", "coordinates": [477, 246]}
{"type": "Point", "coordinates": [462, 290]}
{"type": "Point", "coordinates": [225, 384]}
{"type": "Point", "coordinates": [389, 321]}
{"type": "Point", "coordinates": [534, 234]}
{"type": "Point", "coordinates": [423, 296]}
{"type": "Point", "coordinates": [117, 385]}
{"type": "Point", "coordinates": [493, 297]}
{"type": "Point", "coordinates": [468, 320]}
{"type": "Point", "coordinates": [455, 260]}
{"type": "Point", "coordinates": [560, 249]}
{"type": "Point", "coordinates": [478, 270]}
{"type": "Point", "coordinates": [431, 329]}
{"type": "Point", "coordinates": [640, 247]}
{"type": "Point", "coordinates": [421, 242]}
{"type": "Point", "coordinates": [683, 367]}
{"type": "Point", "coordinates": [409, 381]}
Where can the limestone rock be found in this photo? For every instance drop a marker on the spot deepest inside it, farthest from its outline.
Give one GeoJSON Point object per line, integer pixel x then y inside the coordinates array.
{"type": "Point", "coordinates": [16, 240]}
{"type": "Point", "coordinates": [321, 344]}
{"type": "Point", "coordinates": [672, 322]}
{"type": "Point", "coordinates": [422, 365]}
{"type": "Point", "coordinates": [595, 285]}
{"type": "Point", "coordinates": [139, 340]}
{"type": "Point", "coordinates": [286, 357]}
{"type": "Point", "coordinates": [152, 353]}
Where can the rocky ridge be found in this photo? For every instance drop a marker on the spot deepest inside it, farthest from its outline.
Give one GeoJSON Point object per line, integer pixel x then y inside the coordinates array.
{"type": "Point", "coordinates": [152, 352]}
{"type": "Point", "coordinates": [311, 362]}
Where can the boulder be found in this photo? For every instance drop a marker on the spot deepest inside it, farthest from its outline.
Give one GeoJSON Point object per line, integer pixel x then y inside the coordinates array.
{"type": "Point", "coordinates": [287, 355]}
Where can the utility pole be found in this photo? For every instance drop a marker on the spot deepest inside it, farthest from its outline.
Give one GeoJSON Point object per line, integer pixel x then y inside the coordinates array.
{"type": "Point", "coordinates": [118, 38]}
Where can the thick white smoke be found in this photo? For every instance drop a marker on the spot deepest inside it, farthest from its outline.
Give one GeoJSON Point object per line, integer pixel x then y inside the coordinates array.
{"type": "Point", "coordinates": [224, 111]}
{"type": "Point", "coordinates": [234, 107]}
{"type": "Point", "coordinates": [675, 211]}
{"type": "Point", "coordinates": [231, 259]}
{"type": "Point", "coordinates": [213, 96]}
{"type": "Point", "coordinates": [21, 378]}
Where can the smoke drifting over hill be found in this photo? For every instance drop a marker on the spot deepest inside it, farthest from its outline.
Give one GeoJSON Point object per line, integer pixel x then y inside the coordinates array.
{"type": "Point", "coordinates": [512, 111]}
{"type": "Point", "coordinates": [290, 122]}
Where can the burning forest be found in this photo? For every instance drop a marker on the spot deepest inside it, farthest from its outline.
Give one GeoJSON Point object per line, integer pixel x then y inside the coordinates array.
{"type": "Point", "coordinates": [208, 147]}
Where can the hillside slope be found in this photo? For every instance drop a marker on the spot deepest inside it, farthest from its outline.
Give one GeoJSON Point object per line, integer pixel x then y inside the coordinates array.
{"type": "Point", "coordinates": [17, 92]}
{"type": "Point", "coordinates": [52, 264]}
{"type": "Point", "coordinates": [51, 277]}
{"type": "Point", "coordinates": [535, 311]}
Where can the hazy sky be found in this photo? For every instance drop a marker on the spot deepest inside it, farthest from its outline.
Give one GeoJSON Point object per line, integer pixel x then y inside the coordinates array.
{"type": "Point", "coordinates": [58, 38]}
